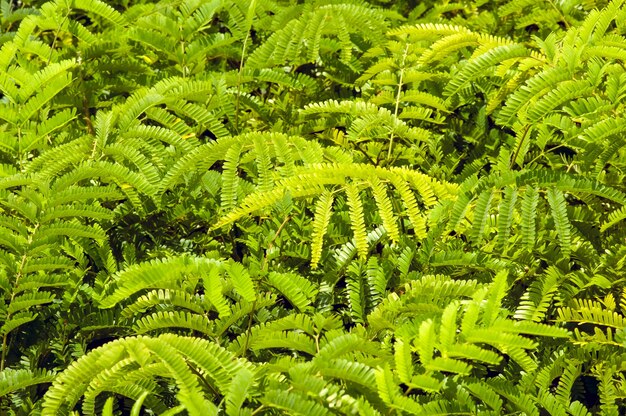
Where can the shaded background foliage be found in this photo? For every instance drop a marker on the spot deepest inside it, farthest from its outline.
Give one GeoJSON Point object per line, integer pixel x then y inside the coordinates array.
{"type": "Point", "coordinates": [314, 207]}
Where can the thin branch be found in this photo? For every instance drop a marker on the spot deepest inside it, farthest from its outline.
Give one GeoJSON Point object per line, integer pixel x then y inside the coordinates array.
{"type": "Point", "coordinates": [400, 82]}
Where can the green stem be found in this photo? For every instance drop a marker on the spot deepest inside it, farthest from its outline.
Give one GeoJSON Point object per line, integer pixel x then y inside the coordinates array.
{"type": "Point", "coordinates": [5, 337]}
{"type": "Point", "coordinates": [249, 329]}
{"type": "Point", "coordinates": [395, 113]}
{"type": "Point", "coordinates": [249, 18]}
{"type": "Point", "coordinates": [519, 147]}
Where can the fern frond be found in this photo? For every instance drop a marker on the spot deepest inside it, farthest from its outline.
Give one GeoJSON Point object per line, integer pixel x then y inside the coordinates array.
{"type": "Point", "coordinates": [345, 344]}
{"type": "Point", "coordinates": [529, 216]}
{"type": "Point", "coordinates": [588, 311]}
{"type": "Point", "coordinates": [403, 360]}
{"type": "Point", "coordinates": [241, 384]}
{"type": "Point", "coordinates": [14, 380]}
{"type": "Point", "coordinates": [539, 329]}
{"type": "Point", "coordinates": [293, 403]}
{"type": "Point", "coordinates": [347, 370]}
{"type": "Point", "coordinates": [536, 300]}
{"type": "Point", "coordinates": [385, 210]}
{"type": "Point", "coordinates": [478, 65]}
{"type": "Point", "coordinates": [230, 179]}
{"type": "Point", "coordinates": [473, 352]}
{"type": "Point", "coordinates": [16, 321]}
{"type": "Point", "coordinates": [242, 281]}
{"type": "Point", "coordinates": [155, 298]}
{"type": "Point", "coordinates": [486, 394]}
{"type": "Point", "coordinates": [28, 300]}
{"type": "Point", "coordinates": [173, 319]}
{"type": "Point", "coordinates": [481, 212]}
{"type": "Point", "coordinates": [214, 292]}
{"type": "Point", "coordinates": [357, 292]}
{"type": "Point", "coordinates": [101, 9]}
{"type": "Point", "coordinates": [296, 289]}
{"type": "Point", "coordinates": [501, 340]}
{"type": "Point", "coordinates": [570, 373]}
{"type": "Point", "coordinates": [323, 212]}
{"type": "Point", "coordinates": [377, 280]}
{"type": "Point", "coordinates": [290, 340]}
{"type": "Point", "coordinates": [70, 229]}
{"type": "Point", "coordinates": [505, 217]}
{"type": "Point", "coordinates": [556, 199]}
{"type": "Point", "coordinates": [155, 274]}
{"type": "Point", "coordinates": [357, 220]}
{"type": "Point", "coordinates": [614, 218]}
{"type": "Point", "coordinates": [417, 220]}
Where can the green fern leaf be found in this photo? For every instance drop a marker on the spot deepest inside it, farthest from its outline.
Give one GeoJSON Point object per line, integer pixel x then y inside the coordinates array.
{"type": "Point", "coordinates": [385, 210]}
{"type": "Point", "coordinates": [592, 312]}
{"type": "Point", "coordinates": [478, 65]}
{"type": "Point", "coordinates": [481, 212]}
{"type": "Point", "coordinates": [17, 320]}
{"type": "Point", "coordinates": [190, 393]}
{"type": "Point", "coordinates": [238, 391]}
{"type": "Point", "coordinates": [289, 340]}
{"type": "Point", "coordinates": [403, 361]}
{"type": "Point", "coordinates": [173, 319]}
{"type": "Point", "coordinates": [475, 353]}
{"type": "Point", "coordinates": [230, 179]}
{"type": "Point", "coordinates": [296, 289]}
{"type": "Point", "coordinates": [614, 218]}
{"type": "Point", "coordinates": [242, 281]}
{"type": "Point", "coordinates": [558, 209]}
{"type": "Point", "coordinates": [536, 300]}
{"type": "Point", "coordinates": [529, 216]}
{"type": "Point", "coordinates": [161, 298]}
{"type": "Point", "coordinates": [28, 300]}
{"type": "Point", "coordinates": [448, 328]}
{"type": "Point", "coordinates": [155, 274]}
{"type": "Point", "coordinates": [214, 292]}
{"type": "Point", "coordinates": [323, 213]}
{"type": "Point", "coordinates": [14, 380]}
{"type": "Point", "coordinates": [357, 220]}
{"type": "Point", "coordinates": [293, 403]}
{"type": "Point", "coordinates": [348, 370]}
{"type": "Point", "coordinates": [571, 372]}
{"type": "Point", "coordinates": [418, 221]}
{"type": "Point", "coordinates": [101, 9]}
{"type": "Point", "coordinates": [505, 217]}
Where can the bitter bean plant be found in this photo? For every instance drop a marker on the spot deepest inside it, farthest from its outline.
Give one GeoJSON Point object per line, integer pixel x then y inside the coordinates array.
{"type": "Point", "coordinates": [318, 207]}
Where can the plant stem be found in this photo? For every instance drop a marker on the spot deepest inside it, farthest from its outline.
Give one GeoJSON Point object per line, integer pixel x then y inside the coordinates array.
{"type": "Point", "coordinates": [249, 329]}
{"type": "Point", "coordinates": [5, 337]}
{"type": "Point", "coordinates": [395, 113]}
{"type": "Point", "coordinates": [271, 244]}
{"type": "Point", "coordinates": [249, 17]}
{"type": "Point", "coordinates": [519, 148]}
{"type": "Point", "coordinates": [243, 52]}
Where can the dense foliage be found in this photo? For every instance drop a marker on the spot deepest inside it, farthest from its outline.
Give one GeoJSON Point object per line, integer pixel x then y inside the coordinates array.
{"type": "Point", "coordinates": [313, 207]}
